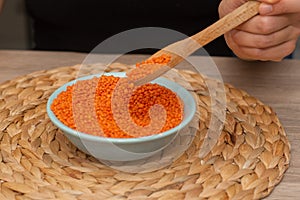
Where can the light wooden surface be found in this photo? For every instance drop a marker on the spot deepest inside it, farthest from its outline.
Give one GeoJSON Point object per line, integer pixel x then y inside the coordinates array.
{"type": "Point", "coordinates": [275, 84]}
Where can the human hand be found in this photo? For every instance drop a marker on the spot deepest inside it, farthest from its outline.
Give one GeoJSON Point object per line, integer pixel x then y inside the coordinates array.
{"type": "Point", "coordinates": [271, 35]}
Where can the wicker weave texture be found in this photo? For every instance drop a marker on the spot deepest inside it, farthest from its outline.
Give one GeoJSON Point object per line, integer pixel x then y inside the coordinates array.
{"type": "Point", "coordinates": [38, 162]}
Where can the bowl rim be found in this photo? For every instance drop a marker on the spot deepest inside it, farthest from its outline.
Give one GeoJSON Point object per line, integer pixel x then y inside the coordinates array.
{"type": "Point", "coordinates": [95, 138]}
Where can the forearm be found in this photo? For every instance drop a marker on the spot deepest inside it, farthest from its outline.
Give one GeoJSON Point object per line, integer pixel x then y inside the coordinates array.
{"type": "Point", "coordinates": [1, 5]}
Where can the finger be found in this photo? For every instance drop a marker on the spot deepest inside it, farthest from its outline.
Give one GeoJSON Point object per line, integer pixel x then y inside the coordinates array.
{"type": "Point", "coordinates": [269, 1]}
{"type": "Point", "coordinates": [276, 53]}
{"type": "Point", "coordinates": [247, 39]}
{"type": "Point", "coordinates": [281, 7]}
{"type": "Point", "coordinates": [266, 24]}
{"type": "Point", "coordinates": [227, 6]}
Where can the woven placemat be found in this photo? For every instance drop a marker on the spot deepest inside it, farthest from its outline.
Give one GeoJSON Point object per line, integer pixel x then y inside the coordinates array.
{"type": "Point", "coordinates": [38, 162]}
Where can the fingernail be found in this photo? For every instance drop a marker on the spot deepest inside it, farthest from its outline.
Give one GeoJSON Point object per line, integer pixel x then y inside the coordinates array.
{"type": "Point", "coordinates": [265, 9]}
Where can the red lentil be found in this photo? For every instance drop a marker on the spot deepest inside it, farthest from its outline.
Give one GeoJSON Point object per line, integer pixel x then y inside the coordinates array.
{"type": "Point", "coordinates": [98, 106]}
{"type": "Point", "coordinates": [148, 67]}
{"type": "Point", "coordinates": [163, 59]}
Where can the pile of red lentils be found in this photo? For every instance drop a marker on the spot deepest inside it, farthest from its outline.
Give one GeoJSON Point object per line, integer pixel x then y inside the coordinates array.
{"type": "Point", "coordinates": [114, 107]}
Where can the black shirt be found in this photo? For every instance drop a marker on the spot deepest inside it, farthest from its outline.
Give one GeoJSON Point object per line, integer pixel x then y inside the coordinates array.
{"type": "Point", "coordinates": [80, 25]}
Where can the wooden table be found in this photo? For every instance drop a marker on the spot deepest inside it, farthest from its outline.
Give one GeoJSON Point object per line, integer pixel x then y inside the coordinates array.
{"type": "Point", "coordinates": [275, 84]}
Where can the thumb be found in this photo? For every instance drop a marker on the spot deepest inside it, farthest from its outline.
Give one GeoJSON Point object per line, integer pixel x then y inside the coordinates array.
{"type": "Point", "coordinates": [277, 7]}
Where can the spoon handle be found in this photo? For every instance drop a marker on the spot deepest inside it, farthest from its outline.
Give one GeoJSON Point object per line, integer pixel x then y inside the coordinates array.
{"type": "Point", "coordinates": [183, 48]}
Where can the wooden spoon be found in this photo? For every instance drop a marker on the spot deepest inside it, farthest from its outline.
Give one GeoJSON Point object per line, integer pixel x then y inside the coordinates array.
{"type": "Point", "coordinates": [178, 51]}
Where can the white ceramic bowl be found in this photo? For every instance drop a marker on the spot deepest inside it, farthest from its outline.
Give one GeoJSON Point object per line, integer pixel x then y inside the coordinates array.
{"type": "Point", "coordinates": [125, 149]}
